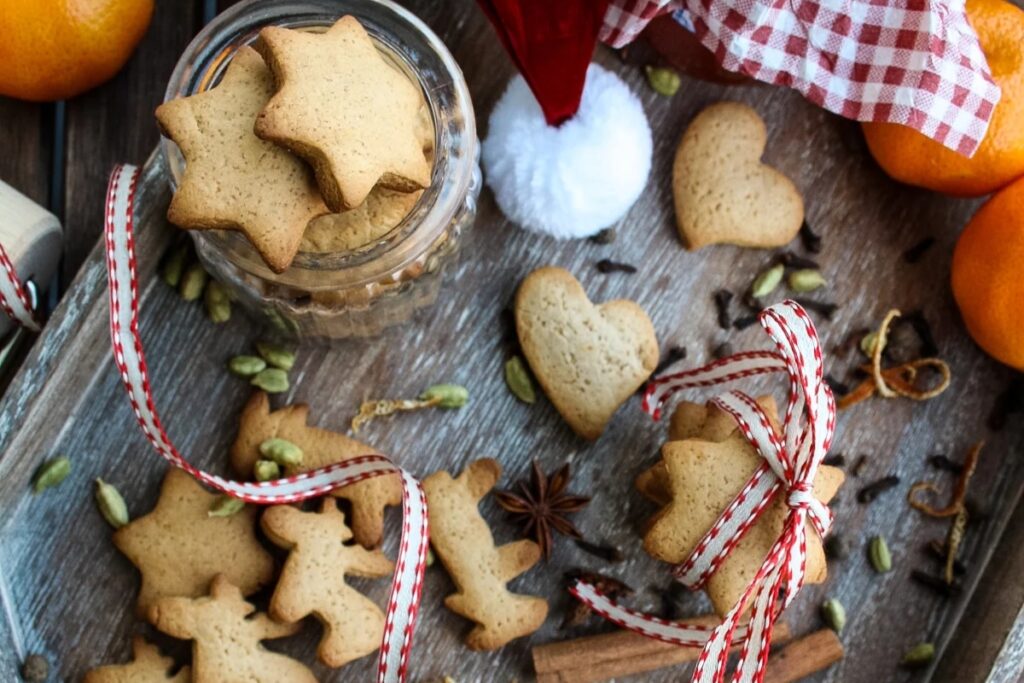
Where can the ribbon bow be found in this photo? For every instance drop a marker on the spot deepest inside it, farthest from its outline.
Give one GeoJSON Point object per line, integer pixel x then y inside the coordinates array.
{"type": "Point", "coordinates": [789, 467]}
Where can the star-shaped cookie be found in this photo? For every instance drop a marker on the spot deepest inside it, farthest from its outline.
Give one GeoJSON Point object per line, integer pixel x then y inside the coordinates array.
{"type": "Point", "coordinates": [343, 109]}
{"type": "Point", "coordinates": [704, 477]}
{"type": "Point", "coordinates": [179, 547]}
{"type": "Point", "coordinates": [147, 666]}
{"type": "Point", "coordinates": [234, 180]}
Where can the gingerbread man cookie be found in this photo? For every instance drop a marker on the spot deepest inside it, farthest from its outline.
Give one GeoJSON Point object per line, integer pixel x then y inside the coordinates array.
{"type": "Point", "coordinates": [226, 638]}
{"type": "Point", "coordinates": [147, 666]}
{"type": "Point", "coordinates": [313, 580]}
{"type": "Point", "coordinates": [320, 447]}
{"type": "Point", "coordinates": [179, 547]}
{"type": "Point", "coordinates": [463, 542]}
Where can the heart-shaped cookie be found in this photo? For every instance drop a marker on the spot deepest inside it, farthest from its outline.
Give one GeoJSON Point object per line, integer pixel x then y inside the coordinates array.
{"type": "Point", "coordinates": [723, 193]}
{"type": "Point", "coordinates": [589, 359]}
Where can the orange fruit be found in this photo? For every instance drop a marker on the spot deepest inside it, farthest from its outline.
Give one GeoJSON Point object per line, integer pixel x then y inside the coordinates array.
{"type": "Point", "coordinates": [988, 275]}
{"type": "Point", "coordinates": [56, 49]}
{"type": "Point", "coordinates": [910, 157]}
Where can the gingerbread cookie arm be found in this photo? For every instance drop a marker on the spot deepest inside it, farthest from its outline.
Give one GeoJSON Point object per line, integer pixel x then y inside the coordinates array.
{"type": "Point", "coordinates": [480, 477]}
{"type": "Point", "coordinates": [369, 563]}
{"type": "Point", "coordinates": [516, 557]}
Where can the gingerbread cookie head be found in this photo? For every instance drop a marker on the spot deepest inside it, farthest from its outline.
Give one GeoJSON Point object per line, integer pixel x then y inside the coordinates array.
{"type": "Point", "coordinates": [480, 570]}
{"type": "Point", "coordinates": [723, 193]}
{"type": "Point", "coordinates": [179, 547]}
{"type": "Point", "coordinates": [704, 477]}
{"type": "Point", "coordinates": [226, 637]}
{"type": "Point", "coordinates": [340, 106]}
{"type": "Point", "coordinates": [320, 447]}
{"type": "Point", "coordinates": [588, 358]}
{"type": "Point", "coordinates": [313, 580]}
{"type": "Point", "coordinates": [147, 666]}
{"type": "Point", "coordinates": [233, 180]}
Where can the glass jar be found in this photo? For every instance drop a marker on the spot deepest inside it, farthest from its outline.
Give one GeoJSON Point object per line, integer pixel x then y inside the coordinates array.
{"type": "Point", "coordinates": [362, 291]}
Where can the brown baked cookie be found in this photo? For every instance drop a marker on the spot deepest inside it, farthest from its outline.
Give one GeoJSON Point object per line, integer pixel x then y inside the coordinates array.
{"type": "Point", "coordinates": [233, 180]}
{"type": "Point", "coordinates": [226, 637]}
{"type": "Point", "coordinates": [320, 447]}
{"type": "Point", "coordinates": [358, 227]}
{"type": "Point", "coordinates": [179, 548]}
{"type": "Point", "coordinates": [313, 580]}
{"type": "Point", "coordinates": [147, 666]}
{"type": "Point", "coordinates": [464, 544]}
{"type": "Point", "coordinates": [694, 421]}
{"type": "Point", "coordinates": [588, 358]}
{"type": "Point", "coordinates": [340, 106]}
{"type": "Point", "coordinates": [723, 193]}
{"type": "Point", "coordinates": [704, 478]}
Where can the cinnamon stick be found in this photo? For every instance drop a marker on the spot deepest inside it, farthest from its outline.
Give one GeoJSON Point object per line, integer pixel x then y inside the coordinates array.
{"type": "Point", "coordinates": [804, 656]}
{"type": "Point", "coordinates": [620, 653]}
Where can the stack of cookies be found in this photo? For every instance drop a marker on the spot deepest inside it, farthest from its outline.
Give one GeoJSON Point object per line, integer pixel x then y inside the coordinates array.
{"type": "Point", "coordinates": [310, 142]}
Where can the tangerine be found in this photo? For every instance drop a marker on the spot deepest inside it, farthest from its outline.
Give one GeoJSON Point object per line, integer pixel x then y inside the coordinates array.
{"type": "Point", "coordinates": [988, 275]}
{"type": "Point", "coordinates": [913, 158]}
{"type": "Point", "coordinates": [56, 49]}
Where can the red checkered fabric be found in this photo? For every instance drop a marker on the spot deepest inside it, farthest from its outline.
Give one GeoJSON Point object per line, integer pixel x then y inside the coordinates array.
{"type": "Point", "coordinates": [913, 62]}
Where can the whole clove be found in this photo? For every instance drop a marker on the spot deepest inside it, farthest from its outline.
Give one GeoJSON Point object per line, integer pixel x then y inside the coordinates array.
{"type": "Point", "coordinates": [810, 239]}
{"type": "Point", "coordinates": [943, 462]}
{"type": "Point", "coordinates": [722, 350]}
{"type": "Point", "coordinates": [836, 547]}
{"type": "Point", "coordinates": [673, 599]}
{"type": "Point", "coordinates": [859, 465]}
{"type": "Point", "coordinates": [937, 549]}
{"type": "Point", "coordinates": [791, 260]}
{"type": "Point", "coordinates": [837, 460]}
{"type": "Point", "coordinates": [936, 583]}
{"type": "Point", "coordinates": [744, 322]}
{"type": "Point", "coordinates": [607, 265]}
{"type": "Point", "coordinates": [606, 236]}
{"type": "Point", "coordinates": [867, 494]}
{"type": "Point", "coordinates": [825, 309]}
{"type": "Point", "coordinates": [723, 297]}
{"type": "Point", "coordinates": [917, 252]}
{"type": "Point", "coordinates": [672, 356]}
{"type": "Point", "coordinates": [838, 388]}
{"type": "Point", "coordinates": [916, 319]}
{"type": "Point", "coordinates": [608, 553]}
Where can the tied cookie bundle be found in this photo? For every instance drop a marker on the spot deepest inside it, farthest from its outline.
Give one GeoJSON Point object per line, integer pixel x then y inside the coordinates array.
{"type": "Point", "coordinates": [311, 142]}
{"type": "Point", "coordinates": [744, 498]}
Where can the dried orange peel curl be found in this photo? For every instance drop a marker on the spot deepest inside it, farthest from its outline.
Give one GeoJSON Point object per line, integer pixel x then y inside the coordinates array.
{"type": "Point", "coordinates": [956, 508]}
{"type": "Point", "coordinates": [899, 380]}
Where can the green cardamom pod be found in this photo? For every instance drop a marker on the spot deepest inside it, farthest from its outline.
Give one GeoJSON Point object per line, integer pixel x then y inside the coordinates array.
{"type": "Point", "coordinates": [217, 301]}
{"type": "Point", "coordinates": [867, 344]}
{"type": "Point", "coordinates": [266, 470]}
{"type": "Point", "coordinates": [271, 380]}
{"type": "Point", "coordinates": [275, 355]}
{"type": "Point", "coordinates": [663, 81]}
{"type": "Point", "coordinates": [281, 451]}
{"type": "Point", "coordinates": [51, 474]}
{"type": "Point", "coordinates": [447, 395]}
{"type": "Point", "coordinates": [111, 504]}
{"type": "Point", "coordinates": [878, 554]}
{"type": "Point", "coordinates": [919, 655]}
{"type": "Point", "coordinates": [834, 614]}
{"type": "Point", "coordinates": [174, 264]}
{"type": "Point", "coordinates": [246, 366]}
{"type": "Point", "coordinates": [517, 377]}
{"type": "Point", "coordinates": [806, 280]}
{"type": "Point", "coordinates": [193, 282]}
{"type": "Point", "coordinates": [765, 283]}
{"type": "Point", "coordinates": [226, 506]}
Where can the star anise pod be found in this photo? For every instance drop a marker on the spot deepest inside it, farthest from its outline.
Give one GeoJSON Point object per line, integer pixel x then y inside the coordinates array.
{"type": "Point", "coordinates": [542, 504]}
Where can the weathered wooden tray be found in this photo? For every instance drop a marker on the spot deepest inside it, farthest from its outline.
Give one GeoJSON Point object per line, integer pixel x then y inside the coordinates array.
{"type": "Point", "coordinates": [71, 592]}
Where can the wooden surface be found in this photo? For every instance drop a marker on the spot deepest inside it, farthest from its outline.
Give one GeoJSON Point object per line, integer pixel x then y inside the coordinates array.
{"type": "Point", "coordinates": [72, 591]}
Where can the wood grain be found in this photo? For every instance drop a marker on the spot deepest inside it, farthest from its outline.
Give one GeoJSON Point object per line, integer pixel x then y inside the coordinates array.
{"type": "Point", "coordinates": [73, 591]}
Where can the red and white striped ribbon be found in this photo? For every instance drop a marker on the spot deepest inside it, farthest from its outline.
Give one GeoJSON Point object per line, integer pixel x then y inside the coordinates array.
{"type": "Point", "coordinates": [14, 300]}
{"type": "Point", "coordinates": [789, 467]}
{"type": "Point", "coordinates": [407, 583]}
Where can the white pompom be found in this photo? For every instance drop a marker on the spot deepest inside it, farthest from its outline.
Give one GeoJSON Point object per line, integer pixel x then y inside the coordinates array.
{"type": "Point", "coordinates": [574, 179]}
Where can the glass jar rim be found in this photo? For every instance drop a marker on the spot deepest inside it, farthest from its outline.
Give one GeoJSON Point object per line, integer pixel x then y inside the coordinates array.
{"type": "Point", "coordinates": [456, 144]}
